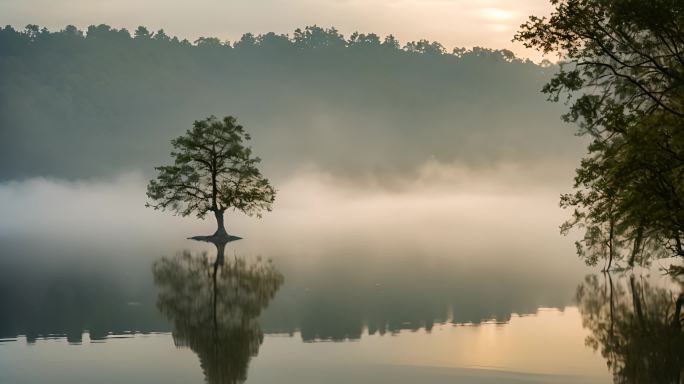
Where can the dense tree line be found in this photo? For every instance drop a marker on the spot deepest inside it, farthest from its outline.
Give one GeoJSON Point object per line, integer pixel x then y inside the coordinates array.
{"type": "Point", "coordinates": [88, 103]}
{"type": "Point", "coordinates": [17, 42]}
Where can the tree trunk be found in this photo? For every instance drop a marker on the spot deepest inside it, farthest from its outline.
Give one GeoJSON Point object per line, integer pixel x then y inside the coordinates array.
{"type": "Point", "coordinates": [215, 293]}
{"type": "Point", "coordinates": [676, 321]}
{"type": "Point", "coordinates": [610, 244]}
{"type": "Point", "coordinates": [637, 244]}
{"type": "Point", "coordinates": [221, 229]}
{"type": "Point", "coordinates": [636, 300]}
{"type": "Point", "coordinates": [220, 253]}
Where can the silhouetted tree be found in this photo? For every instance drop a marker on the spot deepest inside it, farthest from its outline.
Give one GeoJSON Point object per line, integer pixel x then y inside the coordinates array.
{"type": "Point", "coordinates": [213, 171]}
{"type": "Point", "coordinates": [624, 76]}
{"type": "Point", "coordinates": [315, 37]}
{"type": "Point", "coordinates": [142, 33]}
{"type": "Point", "coordinates": [425, 47]}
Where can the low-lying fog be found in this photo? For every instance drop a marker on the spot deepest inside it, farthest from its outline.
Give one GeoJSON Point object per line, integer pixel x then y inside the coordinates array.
{"type": "Point", "coordinates": [500, 219]}
{"type": "Point", "coordinates": [448, 245]}
{"type": "Point", "coordinates": [483, 217]}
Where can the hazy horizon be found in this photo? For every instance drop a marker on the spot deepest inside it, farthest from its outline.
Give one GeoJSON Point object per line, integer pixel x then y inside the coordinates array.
{"type": "Point", "coordinates": [340, 191]}
{"type": "Point", "coordinates": [454, 23]}
{"type": "Point", "coordinates": [363, 110]}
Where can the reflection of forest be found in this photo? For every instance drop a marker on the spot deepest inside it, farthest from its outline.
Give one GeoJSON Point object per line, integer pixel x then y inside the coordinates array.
{"type": "Point", "coordinates": [335, 301]}
{"type": "Point", "coordinates": [346, 297]}
{"type": "Point", "coordinates": [636, 326]}
{"type": "Point", "coordinates": [336, 296]}
{"type": "Point", "coordinates": [214, 308]}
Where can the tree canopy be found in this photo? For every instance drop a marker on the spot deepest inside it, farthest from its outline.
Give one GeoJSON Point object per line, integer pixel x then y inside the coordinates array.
{"type": "Point", "coordinates": [623, 75]}
{"type": "Point", "coordinates": [212, 171]}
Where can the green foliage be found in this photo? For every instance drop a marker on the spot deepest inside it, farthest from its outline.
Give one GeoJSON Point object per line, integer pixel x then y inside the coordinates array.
{"type": "Point", "coordinates": [213, 171]}
{"type": "Point", "coordinates": [623, 74]}
{"type": "Point", "coordinates": [424, 46]}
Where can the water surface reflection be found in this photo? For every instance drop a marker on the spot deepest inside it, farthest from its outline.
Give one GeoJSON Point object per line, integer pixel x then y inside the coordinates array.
{"type": "Point", "coordinates": [636, 326]}
{"type": "Point", "coordinates": [214, 307]}
{"type": "Point", "coordinates": [231, 312]}
{"type": "Point", "coordinates": [338, 295]}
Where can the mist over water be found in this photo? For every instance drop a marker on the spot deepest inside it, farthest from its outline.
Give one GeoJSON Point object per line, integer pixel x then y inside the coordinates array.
{"type": "Point", "coordinates": [444, 207]}
{"type": "Point", "coordinates": [361, 262]}
{"type": "Point", "coordinates": [414, 237]}
{"type": "Point", "coordinates": [451, 232]}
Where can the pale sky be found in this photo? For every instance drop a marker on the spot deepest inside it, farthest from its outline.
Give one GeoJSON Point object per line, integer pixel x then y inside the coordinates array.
{"type": "Point", "coordinates": [462, 23]}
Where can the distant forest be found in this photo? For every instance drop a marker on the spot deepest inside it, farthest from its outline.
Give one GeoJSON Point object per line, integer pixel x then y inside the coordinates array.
{"type": "Point", "coordinates": [80, 104]}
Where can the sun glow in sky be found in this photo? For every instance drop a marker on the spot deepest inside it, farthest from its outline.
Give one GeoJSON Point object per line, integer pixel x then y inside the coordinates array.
{"type": "Point", "coordinates": [454, 23]}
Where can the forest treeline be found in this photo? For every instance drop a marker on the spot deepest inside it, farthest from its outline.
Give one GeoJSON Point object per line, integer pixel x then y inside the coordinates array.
{"type": "Point", "coordinates": [78, 104]}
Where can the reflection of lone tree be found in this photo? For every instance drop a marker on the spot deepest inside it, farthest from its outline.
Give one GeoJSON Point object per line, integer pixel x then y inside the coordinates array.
{"type": "Point", "coordinates": [637, 328]}
{"type": "Point", "coordinates": [214, 307]}
{"type": "Point", "coordinates": [213, 171]}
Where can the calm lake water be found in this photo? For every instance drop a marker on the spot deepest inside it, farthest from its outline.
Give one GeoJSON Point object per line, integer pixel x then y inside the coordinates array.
{"type": "Point", "coordinates": [393, 288]}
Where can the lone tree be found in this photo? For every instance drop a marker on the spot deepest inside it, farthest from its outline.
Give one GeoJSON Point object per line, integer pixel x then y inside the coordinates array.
{"type": "Point", "coordinates": [213, 171]}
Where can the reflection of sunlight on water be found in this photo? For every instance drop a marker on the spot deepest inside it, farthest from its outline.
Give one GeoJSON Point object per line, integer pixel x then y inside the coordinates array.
{"type": "Point", "coordinates": [552, 341]}
{"type": "Point", "coordinates": [549, 342]}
